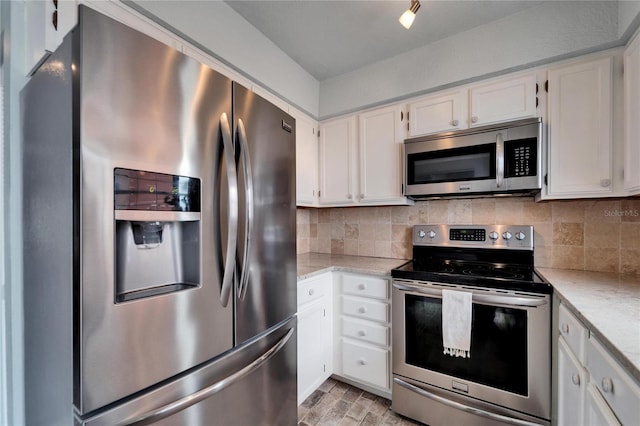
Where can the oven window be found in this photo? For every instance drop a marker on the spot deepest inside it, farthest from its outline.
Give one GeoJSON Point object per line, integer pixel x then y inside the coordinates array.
{"type": "Point", "coordinates": [457, 164]}
{"type": "Point", "coordinates": [498, 344]}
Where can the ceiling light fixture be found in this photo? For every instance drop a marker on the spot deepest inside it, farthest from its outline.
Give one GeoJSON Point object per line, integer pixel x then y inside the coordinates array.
{"type": "Point", "coordinates": [410, 14]}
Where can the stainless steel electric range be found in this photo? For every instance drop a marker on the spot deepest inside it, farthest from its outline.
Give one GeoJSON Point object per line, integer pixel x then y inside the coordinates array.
{"type": "Point", "coordinates": [507, 377]}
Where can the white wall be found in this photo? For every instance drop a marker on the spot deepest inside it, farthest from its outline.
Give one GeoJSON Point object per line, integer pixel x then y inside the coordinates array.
{"type": "Point", "coordinates": [545, 33]}
{"type": "Point", "coordinates": [13, 79]}
{"type": "Point", "coordinates": [219, 30]}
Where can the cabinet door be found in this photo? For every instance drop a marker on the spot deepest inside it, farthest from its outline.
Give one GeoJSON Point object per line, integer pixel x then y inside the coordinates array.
{"type": "Point", "coordinates": [503, 100]}
{"type": "Point", "coordinates": [438, 113]}
{"type": "Point", "coordinates": [580, 129]}
{"type": "Point", "coordinates": [337, 156]}
{"type": "Point", "coordinates": [306, 162]}
{"type": "Point", "coordinates": [572, 383]}
{"type": "Point", "coordinates": [631, 114]}
{"type": "Point", "coordinates": [380, 134]}
{"type": "Point", "coordinates": [313, 326]}
{"type": "Point", "coordinates": [597, 412]}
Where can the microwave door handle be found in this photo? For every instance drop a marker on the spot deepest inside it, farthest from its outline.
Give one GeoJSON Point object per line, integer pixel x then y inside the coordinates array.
{"type": "Point", "coordinates": [499, 160]}
{"type": "Point", "coordinates": [232, 232]}
{"type": "Point", "coordinates": [248, 226]}
{"type": "Point", "coordinates": [462, 407]}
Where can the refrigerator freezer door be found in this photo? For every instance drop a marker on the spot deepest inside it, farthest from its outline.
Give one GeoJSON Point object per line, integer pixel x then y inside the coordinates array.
{"type": "Point", "coordinates": [145, 106]}
{"type": "Point", "coordinates": [266, 272]}
{"type": "Point", "coordinates": [255, 384]}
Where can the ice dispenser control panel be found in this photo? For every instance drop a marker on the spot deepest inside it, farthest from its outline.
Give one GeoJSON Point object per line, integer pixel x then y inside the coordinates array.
{"type": "Point", "coordinates": [140, 190]}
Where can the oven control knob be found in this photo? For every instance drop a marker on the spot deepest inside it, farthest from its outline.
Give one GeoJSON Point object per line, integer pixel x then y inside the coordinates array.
{"type": "Point", "coordinates": [520, 236]}
{"type": "Point", "coordinates": [493, 235]}
{"type": "Point", "coordinates": [431, 234]}
{"type": "Point", "coordinates": [422, 234]}
{"type": "Point", "coordinates": [506, 235]}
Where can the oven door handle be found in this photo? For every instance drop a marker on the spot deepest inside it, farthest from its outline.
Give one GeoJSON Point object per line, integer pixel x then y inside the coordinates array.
{"type": "Point", "coordinates": [483, 298]}
{"type": "Point", "coordinates": [462, 407]}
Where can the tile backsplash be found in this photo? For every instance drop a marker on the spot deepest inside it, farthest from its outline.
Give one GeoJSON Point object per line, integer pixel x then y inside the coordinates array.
{"type": "Point", "coordinates": [593, 235]}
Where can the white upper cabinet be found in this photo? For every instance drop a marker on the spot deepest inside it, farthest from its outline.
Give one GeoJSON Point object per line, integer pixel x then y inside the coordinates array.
{"type": "Point", "coordinates": [504, 99]}
{"type": "Point", "coordinates": [438, 113]}
{"type": "Point", "coordinates": [631, 114]}
{"type": "Point", "coordinates": [361, 159]}
{"type": "Point", "coordinates": [381, 136]}
{"type": "Point", "coordinates": [580, 129]}
{"type": "Point", "coordinates": [337, 161]}
{"type": "Point", "coordinates": [306, 160]}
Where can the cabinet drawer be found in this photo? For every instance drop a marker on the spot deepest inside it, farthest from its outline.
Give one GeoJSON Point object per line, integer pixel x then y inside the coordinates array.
{"type": "Point", "coordinates": [366, 364]}
{"type": "Point", "coordinates": [573, 332]}
{"type": "Point", "coordinates": [357, 285]}
{"type": "Point", "coordinates": [366, 309]}
{"type": "Point", "coordinates": [311, 290]}
{"type": "Point", "coordinates": [617, 388]}
{"type": "Point", "coordinates": [366, 331]}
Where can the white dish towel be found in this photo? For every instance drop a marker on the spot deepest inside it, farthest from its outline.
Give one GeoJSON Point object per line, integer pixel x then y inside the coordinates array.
{"type": "Point", "coordinates": [456, 323]}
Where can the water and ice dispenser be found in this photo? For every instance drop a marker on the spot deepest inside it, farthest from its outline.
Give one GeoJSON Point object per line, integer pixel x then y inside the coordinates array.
{"type": "Point", "coordinates": [157, 233]}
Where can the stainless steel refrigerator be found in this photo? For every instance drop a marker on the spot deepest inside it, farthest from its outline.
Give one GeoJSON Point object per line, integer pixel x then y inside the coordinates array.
{"type": "Point", "coordinates": [159, 239]}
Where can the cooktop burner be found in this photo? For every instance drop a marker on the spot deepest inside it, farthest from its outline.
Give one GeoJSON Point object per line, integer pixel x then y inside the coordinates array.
{"type": "Point", "coordinates": [474, 255]}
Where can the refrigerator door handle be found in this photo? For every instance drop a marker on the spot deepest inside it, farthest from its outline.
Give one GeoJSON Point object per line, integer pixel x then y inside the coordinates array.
{"type": "Point", "coordinates": [232, 234]}
{"type": "Point", "coordinates": [248, 179]}
{"type": "Point", "coordinates": [189, 400]}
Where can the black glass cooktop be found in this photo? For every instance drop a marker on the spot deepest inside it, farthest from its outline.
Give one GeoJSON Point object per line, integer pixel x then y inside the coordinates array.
{"type": "Point", "coordinates": [502, 269]}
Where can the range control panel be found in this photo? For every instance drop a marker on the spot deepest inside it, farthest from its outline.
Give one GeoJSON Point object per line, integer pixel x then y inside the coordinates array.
{"type": "Point", "coordinates": [518, 237]}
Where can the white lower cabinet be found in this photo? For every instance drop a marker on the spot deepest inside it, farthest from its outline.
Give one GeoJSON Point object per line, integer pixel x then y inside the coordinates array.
{"type": "Point", "coordinates": [315, 344]}
{"type": "Point", "coordinates": [362, 331]}
{"type": "Point", "coordinates": [593, 388]}
{"type": "Point", "coordinates": [344, 329]}
{"type": "Point", "coordinates": [572, 385]}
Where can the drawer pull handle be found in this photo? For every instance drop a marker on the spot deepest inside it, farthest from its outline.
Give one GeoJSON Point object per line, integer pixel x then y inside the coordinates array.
{"type": "Point", "coordinates": [311, 292]}
{"type": "Point", "coordinates": [607, 385]}
{"type": "Point", "coordinates": [362, 310]}
{"type": "Point", "coordinates": [362, 286]}
{"type": "Point", "coordinates": [362, 333]}
{"type": "Point", "coordinates": [575, 378]}
{"type": "Point", "coordinates": [565, 328]}
{"type": "Point", "coordinates": [362, 362]}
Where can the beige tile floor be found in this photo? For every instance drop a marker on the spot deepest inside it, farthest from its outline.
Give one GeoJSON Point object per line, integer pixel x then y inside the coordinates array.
{"type": "Point", "coordinates": [337, 403]}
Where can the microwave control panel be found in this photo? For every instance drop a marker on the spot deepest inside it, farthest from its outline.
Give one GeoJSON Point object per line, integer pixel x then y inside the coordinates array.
{"type": "Point", "coordinates": [520, 158]}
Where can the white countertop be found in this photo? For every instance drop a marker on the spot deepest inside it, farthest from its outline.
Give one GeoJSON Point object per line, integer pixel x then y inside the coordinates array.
{"type": "Point", "coordinates": [310, 264]}
{"type": "Point", "coordinates": [608, 304]}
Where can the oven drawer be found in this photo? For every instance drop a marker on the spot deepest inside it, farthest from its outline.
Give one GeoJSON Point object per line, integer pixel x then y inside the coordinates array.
{"type": "Point", "coordinates": [366, 331]}
{"type": "Point", "coordinates": [366, 309]}
{"type": "Point", "coordinates": [573, 332]}
{"type": "Point", "coordinates": [366, 364]}
{"type": "Point", "coordinates": [358, 285]}
{"type": "Point", "coordinates": [617, 388]}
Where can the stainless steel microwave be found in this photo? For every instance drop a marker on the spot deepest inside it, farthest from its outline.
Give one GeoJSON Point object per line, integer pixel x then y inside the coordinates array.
{"type": "Point", "coordinates": [495, 159]}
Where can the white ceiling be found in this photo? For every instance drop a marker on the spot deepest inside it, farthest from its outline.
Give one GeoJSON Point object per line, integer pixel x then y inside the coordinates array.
{"type": "Point", "coordinates": [329, 38]}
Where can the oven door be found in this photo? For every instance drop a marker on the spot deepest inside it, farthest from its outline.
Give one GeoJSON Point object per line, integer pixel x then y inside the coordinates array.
{"type": "Point", "coordinates": [510, 362]}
